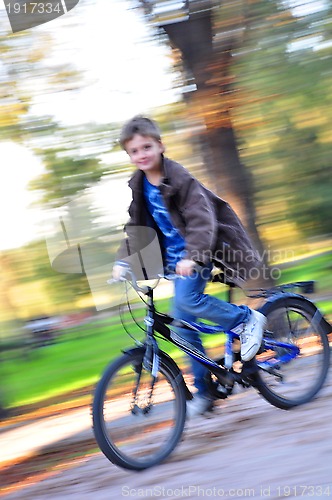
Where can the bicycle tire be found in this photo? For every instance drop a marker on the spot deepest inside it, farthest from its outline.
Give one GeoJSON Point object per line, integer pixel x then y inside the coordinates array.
{"type": "Point", "coordinates": [294, 319]}
{"type": "Point", "coordinates": [139, 437]}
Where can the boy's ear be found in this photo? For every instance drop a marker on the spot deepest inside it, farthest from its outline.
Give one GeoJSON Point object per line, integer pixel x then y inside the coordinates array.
{"type": "Point", "coordinates": [163, 148]}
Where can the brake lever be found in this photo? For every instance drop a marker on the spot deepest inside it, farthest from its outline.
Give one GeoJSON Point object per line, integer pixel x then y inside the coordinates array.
{"type": "Point", "coordinates": [129, 276]}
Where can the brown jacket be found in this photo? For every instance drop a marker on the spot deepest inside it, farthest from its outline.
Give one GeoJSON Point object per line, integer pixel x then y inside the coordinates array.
{"type": "Point", "coordinates": [211, 229]}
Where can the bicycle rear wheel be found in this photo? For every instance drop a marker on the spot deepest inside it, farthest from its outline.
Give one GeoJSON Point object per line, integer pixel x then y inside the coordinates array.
{"type": "Point", "coordinates": [138, 421]}
{"type": "Point", "coordinates": [296, 321]}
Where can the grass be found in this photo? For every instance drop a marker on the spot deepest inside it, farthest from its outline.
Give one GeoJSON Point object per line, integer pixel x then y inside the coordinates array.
{"type": "Point", "coordinates": [317, 268]}
{"type": "Point", "coordinates": [79, 356]}
{"type": "Point", "coordinates": [74, 361]}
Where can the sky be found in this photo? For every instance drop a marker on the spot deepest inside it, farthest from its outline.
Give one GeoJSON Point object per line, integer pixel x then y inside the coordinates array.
{"type": "Point", "coordinates": [18, 222]}
{"type": "Point", "coordinates": [127, 75]}
{"type": "Point", "coordinates": [131, 76]}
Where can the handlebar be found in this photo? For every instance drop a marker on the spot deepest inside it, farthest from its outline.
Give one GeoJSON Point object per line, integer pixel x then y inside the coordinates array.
{"type": "Point", "coordinates": [130, 276]}
{"type": "Point", "coordinates": [217, 276]}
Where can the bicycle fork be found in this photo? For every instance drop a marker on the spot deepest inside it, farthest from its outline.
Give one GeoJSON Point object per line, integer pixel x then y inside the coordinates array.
{"type": "Point", "coordinates": [150, 362]}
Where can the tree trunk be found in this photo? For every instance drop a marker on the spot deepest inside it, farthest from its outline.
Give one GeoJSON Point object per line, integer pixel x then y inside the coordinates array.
{"type": "Point", "coordinates": [210, 71]}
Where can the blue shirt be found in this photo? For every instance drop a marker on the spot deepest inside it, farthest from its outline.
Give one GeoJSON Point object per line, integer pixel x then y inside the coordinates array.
{"type": "Point", "coordinates": [173, 243]}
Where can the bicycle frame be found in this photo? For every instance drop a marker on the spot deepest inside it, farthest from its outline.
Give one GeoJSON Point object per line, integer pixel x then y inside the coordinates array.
{"type": "Point", "coordinates": [161, 323]}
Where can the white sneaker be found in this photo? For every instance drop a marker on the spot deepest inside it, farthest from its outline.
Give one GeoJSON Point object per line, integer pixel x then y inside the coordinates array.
{"type": "Point", "coordinates": [252, 334]}
{"type": "Point", "coordinates": [198, 405]}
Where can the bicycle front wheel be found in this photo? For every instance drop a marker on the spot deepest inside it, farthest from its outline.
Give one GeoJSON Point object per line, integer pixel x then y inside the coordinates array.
{"type": "Point", "coordinates": [138, 420]}
{"type": "Point", "coordinates": [292, 382]}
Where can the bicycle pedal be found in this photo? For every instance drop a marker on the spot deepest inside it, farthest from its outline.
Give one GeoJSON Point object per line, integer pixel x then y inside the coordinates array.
{"type": "Point", "coordinates": [222, 391]}
{"type": "Point", "coordinates": [218, 391]}
{"type": "Point", "coordinates": [210, 409]}
{"type": "Point", "coordinates": [249, 367]}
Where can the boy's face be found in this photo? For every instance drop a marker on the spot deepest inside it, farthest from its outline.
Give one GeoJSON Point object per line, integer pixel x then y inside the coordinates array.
{"type": "Point", "coordinates": [145, 153]}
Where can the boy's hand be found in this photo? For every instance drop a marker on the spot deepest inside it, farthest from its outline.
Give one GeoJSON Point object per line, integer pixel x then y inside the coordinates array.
{"type": "Point", "coordinates": [185, 267]}
{"type": "Point", "coordinates": [119, 272]}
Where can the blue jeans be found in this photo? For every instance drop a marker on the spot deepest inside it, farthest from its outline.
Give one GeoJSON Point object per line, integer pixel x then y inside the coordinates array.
{"type": "Point", "coordinates": [190, 303]}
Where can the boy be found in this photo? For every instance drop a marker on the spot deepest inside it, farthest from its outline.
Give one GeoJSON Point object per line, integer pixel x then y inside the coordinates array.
{"type": "Point", "coordinates": [193, 226]}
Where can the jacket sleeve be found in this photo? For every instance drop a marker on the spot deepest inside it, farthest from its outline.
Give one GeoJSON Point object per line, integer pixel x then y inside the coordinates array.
{"type": "Point", "coordinates": [200, 224]}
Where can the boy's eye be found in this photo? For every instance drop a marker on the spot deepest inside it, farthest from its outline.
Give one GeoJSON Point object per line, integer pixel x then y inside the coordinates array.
{"type": "Point", "coordinates": [147, 146]}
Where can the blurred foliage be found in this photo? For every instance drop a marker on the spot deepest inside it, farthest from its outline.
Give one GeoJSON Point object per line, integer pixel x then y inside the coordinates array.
{"type": "Point", "coordinates": [72, 162]}
{"type": "Point", "coordinates": [32, 288]}
{"type": "Point", "coordinates": [26, 73]}
{"type": "Point", "coordinates": [283, 115]}
{"type": "Point", "coordinates": [277, 93]}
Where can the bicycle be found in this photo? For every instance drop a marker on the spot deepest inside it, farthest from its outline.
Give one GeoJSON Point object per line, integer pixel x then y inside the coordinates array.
{"type": "Point", "coordinates": [139, 405]}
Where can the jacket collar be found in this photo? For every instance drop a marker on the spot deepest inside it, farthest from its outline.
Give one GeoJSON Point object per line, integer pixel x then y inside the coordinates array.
{"type": "Point", "coordinates": [136, 181]}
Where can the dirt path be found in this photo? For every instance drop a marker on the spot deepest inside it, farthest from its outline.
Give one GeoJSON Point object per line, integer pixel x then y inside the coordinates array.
{"type": "Point", "coordinates": [247, 449]}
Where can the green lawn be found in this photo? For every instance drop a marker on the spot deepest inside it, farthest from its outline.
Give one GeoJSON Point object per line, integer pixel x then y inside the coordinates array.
{"type": "Point", "coordinates": [74, 361]}
{"type": "Point", "coordinates": [317, 268]}
{"type": "Point", "coordinates": [79, 356]}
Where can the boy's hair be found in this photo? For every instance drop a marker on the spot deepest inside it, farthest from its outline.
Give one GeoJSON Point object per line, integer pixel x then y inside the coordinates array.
{"type": "Point", "coordinates": [139, 125]}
